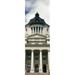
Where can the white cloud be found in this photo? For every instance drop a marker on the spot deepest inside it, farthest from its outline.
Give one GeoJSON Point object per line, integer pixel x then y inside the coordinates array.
{"type": "Point", "coordinates": [40, 6]}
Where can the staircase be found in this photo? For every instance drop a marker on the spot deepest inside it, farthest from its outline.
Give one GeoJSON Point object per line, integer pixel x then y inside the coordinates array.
{"type": "Point", "coordinates": [36, 73]}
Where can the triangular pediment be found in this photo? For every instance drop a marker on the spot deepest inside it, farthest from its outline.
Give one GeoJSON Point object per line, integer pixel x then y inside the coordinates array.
{"type": "Point", "coordinates": [37, 36]}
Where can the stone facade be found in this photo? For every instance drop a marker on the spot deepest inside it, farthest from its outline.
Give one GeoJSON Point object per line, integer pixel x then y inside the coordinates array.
{"type": "Point", "coordinates": [37, 47]}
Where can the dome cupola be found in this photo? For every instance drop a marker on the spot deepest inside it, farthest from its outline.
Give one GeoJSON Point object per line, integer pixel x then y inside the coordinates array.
{"type": "Point", "coordinates": [37, 20]}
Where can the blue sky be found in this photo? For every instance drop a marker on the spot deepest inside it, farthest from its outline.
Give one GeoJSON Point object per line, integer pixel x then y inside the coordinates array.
{"type": "Point", "coordinates": [29, 6]}
{"type": "Point", "coordinates": [33, 6]}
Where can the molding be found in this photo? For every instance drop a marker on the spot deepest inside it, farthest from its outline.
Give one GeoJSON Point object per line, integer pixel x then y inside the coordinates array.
{"type": "Point", "coordinates": [37, 45]}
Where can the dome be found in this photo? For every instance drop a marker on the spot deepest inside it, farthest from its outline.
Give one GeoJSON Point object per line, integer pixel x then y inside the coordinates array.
{"type": "Point", "coordinates": [37, 20]}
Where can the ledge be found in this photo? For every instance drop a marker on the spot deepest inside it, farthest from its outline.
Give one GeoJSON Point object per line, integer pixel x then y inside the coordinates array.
{"type": "Point", "coordinates": [37, 45]}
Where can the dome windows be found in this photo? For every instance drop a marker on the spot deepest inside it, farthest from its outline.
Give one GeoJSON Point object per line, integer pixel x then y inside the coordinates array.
{"type": "Point", "coordinates": [26, 29]}
{"type": "Point", "coordinates": [47, 29]}
{"type": "Point", "coordinates": [36, 30]}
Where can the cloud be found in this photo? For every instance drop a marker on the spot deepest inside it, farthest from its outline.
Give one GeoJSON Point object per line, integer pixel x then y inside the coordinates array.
{"type": "Point", "coordinates": [40, 6]}
{"type": "Point", "coordinates": [29, 6]}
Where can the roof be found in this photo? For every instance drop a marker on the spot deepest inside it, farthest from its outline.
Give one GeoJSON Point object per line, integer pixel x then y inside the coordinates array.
{"type": "Point", "coordinates": [37, 20]}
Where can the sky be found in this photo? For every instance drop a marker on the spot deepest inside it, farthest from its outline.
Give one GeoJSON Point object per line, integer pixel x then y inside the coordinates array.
{"type": "Point", "coordinates": [34, 6]}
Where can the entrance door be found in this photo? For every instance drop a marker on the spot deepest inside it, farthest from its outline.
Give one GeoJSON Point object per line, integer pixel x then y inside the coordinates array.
{"type": "Point", "coordinates": [36, 68]}
{"type": "Point", "coordinates": [44, 68]}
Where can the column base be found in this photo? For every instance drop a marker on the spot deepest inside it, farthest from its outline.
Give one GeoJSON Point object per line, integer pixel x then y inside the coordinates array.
{"type": "Point", "coordinates": [32, 71]}
{"type": "Point", "coordinates": [40, 71]}
{"type": "Point", "coordinates": [37, 73]}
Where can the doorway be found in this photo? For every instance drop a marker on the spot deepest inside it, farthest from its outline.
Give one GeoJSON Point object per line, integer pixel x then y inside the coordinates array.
{"type": "Point", "coordinates": [36, 68]}
{"type": "Point", "coordinates": [44, 68]}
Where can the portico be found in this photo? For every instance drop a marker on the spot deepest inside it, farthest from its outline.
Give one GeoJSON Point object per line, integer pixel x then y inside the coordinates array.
{"type": "Point", "coordinates": [38, 61]}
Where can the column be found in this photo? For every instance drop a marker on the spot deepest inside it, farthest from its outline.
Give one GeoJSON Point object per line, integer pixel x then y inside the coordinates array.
{"type": "Point", "coordinates": [40, 67]}
{"type": "Point", "coordinates": [48, 60]}
{"type": "Point", "coordinates": [25, 61]}
{"type": "Point", "coordinates": [35, 30]}
{"type": "Point", "coordinates": [32, 62]}
{"type": "Point", "coordinates": [40, 29]}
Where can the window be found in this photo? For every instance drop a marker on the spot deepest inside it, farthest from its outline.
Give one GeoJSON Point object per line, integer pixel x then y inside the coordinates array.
{"type": "Point", "coordinates": [36, 29]}
{"type": "Point", "coordinates": [44, 57]}
{"type": "Point", "coordinates": [47, 29]}
{"type": "Point", "coordinates": [39, 29]}
{"type": "Point", "coordinates": [28, 67]}
{"type": "Point", "coordinates": [26, 29]}
{"type": "Point", "coordinates": [31, 28]}
{"type": "Point", "coordinates": [42, 28]}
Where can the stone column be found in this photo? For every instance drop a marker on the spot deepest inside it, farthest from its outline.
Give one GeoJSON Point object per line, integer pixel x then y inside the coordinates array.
{"type": "Point", "coordinates": [32, 61]}
{"type": "Point", "coordinates": [25, 60]}
{"type": "Point", "coordinates": [48, 60]}
{"type": "Point", "coordinates": [40, 66]}
{"type": "Point", "coordinates": [35, 30]}
{"type": "Point", "coordinates": [40, 30]}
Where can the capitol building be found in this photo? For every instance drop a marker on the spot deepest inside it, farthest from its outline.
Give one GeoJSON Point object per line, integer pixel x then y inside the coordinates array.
{"type": "Point", "coordinates": [37, 47]}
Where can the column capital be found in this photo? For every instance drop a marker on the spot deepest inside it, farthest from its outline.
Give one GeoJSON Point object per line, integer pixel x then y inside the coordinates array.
{"type": "Point", "coordinates": [40, 50]}
{"type": "Point", "coordinates": [32, 50]}
{"type": "Point", "coordinates": [48, 50]}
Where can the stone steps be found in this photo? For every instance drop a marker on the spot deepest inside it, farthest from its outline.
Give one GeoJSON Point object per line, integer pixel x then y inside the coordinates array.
{"type": "Point", "coordinates": [36, 73]}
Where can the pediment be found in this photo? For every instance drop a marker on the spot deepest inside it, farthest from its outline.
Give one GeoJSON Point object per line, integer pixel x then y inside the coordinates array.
{"type": "Point", "coordinates": [37, 36]}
